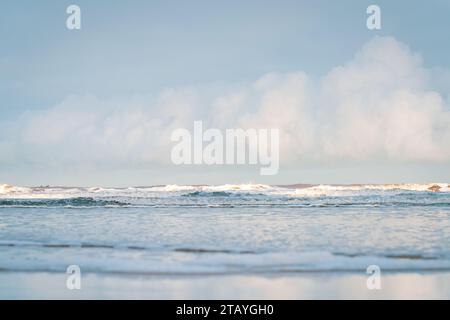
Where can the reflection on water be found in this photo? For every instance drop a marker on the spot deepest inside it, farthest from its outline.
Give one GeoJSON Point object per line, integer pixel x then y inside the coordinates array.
{"type": "Point", "coordinates": [312, 286]}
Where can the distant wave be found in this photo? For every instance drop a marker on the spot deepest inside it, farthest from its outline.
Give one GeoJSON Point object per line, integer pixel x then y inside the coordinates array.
{"type": "Point", "coordinates": [9, 189]}
{"type": "Point", "coordinates": [69, 202]}
{"type": "Point", "coordinates": [51, 192]}
{"type": "Point", "coordinates": [207, 194]}
{"type": "Point", "coordinates": [229, 196]}
{"type": "Point", "coordinates": [222, 194]}
{"type": "Point", "coordinates": [330, 189]}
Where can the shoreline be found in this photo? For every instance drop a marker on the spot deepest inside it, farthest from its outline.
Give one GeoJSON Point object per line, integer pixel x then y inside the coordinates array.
{"type": "Point", "coordinates": [325, 285]}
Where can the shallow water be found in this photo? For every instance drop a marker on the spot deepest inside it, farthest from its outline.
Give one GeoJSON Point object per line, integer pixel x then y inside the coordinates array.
{"type": "Point", "coordinates": [225, 229]}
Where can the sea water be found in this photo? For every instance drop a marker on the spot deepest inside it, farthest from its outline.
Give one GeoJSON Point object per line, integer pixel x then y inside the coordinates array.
{"type": "Point", "coordinates": [228, 229]}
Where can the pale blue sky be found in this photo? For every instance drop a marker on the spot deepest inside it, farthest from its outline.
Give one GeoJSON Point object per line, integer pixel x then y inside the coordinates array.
{"type": "Point", "coordinates": [128, 48]}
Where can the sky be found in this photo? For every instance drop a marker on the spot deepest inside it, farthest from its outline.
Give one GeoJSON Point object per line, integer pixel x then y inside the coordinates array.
{"type": "Point", "coordinates": [97, 106]}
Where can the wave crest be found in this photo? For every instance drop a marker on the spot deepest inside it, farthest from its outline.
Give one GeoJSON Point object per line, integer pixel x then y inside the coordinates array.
{"type": "Point", "coordinates": [97, 193]}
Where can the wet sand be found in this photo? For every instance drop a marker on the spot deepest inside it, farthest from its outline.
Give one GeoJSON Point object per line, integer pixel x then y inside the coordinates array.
{"type": "Point", "coordinates": [36, 285]}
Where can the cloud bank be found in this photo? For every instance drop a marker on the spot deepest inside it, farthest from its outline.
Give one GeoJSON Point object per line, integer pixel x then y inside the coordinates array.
{"type": "Point", "coordinates": [380, 106]}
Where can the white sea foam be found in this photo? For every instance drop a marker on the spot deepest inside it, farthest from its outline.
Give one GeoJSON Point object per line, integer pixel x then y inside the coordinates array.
{"type": "Point", "coordinates": [239, 187]}
{"type": "Point", "coordinates": [15, 192]}
{"type": "Point", "coordinates": [336, 190]}
{"type": "Point", "coordinates": [171, 188]}
{"type": "Point", "coordinates": [9, 189]}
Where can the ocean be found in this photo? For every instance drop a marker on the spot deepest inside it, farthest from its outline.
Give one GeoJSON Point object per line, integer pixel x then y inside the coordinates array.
{"type": "Point", "coordinates": [247, 229]}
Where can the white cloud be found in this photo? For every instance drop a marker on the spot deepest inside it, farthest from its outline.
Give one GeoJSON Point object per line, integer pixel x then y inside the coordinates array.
{"type": "Point", "coordinates": [379, 106]}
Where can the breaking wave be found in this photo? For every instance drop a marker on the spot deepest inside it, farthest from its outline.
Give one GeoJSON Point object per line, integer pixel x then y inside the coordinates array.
{"type": "Point", "coordinates": [69, 202]}
{"type": "Point", "coordinates": [298, 189]}
{"type": "Point", "coordinates": [330, 189]}
{"type": "Point", "coordinates": [229, 195]}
